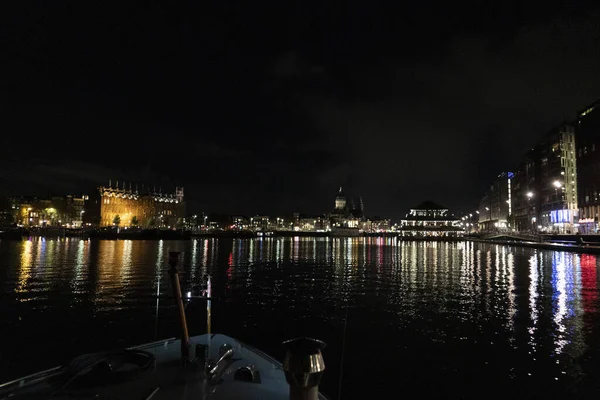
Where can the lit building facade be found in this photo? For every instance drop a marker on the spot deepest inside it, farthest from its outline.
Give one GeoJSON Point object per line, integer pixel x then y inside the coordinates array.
{"type": "Point", "coordinates": [495, 207]}
{"type": "Point", "coordinates": [542, 194]}
{"type": "Point", "coordinates": [346, 215]}
{"type": "Point", "coordinates": [588, 167]}
{"type": "Point", "coordinates": [555, 190]}
{"type": "Point", "coordinates": [131, 208]}
{"type": "Point", "coordinates": [376, 225]}
{"type": "Point", "coordinates": [56, 211]}
{"type": "Point", "coordinates": [430, 220]}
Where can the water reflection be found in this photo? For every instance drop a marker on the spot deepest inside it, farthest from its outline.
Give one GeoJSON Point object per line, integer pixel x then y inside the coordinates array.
{"type": "Point", "coordinates": [515, 312]}
{"type": "Point", "coordinates": [589, 283]}
{"type": "Point", "coordinates": [26, 266]}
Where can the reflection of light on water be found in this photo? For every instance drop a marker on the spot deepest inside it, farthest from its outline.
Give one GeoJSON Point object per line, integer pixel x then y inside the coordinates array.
{"type": "Point", "coordinates": [436, 264]}
{"type": "Point", "coordinates": [260, 249]}
{"type": "Point", "coordinates": [560, 286]}
{"type": "Point", "coordinates": [194, 252]}
{"type": "Point", "coordinates": [194, 261]}
{"type": "Point", "coordinates": [498, 271]}
{"type": "Point", "coordinates": [296, 248]}
{"type": "Point", "coordinates": [488, 273]}
{"type": "Point", "coordinates": [510, 274]}
{"type": "Point", "coordinates": [270, 248]}
{"type": "Point", "coordinates": [41, 251]}
{"type": "Point", "coordinates": [533, 296]}
{"type": "Point", "coordinates": [26, 265]}
{"type": "Point", "coordinates": [234, 256]}
{"type": "Point", "coordinates": [159, 255]}
{"type": "Point", "coordinates": [313, 249]}
{"type": "Point", "coordinates": [158, 267]}
{"type": "Point", "coordinates": [77, 283]}
{"type": "Point", "coordinates": [126, 257]}
{"type": "Point", "coordinates": [352, 251]}
{"type": "Point", "coordinates": [205, 257]}
{"type": "Point", "coordinates": [279, 250]}
{"type": "Point", "coordinates": [50, 253]}
{"type": "Point", "coordinates": [589, 283]}
{"type": "Point", "coordinates": [477, 273]}
{"type": "Point", "coordinates": [335, 252]}
{"type": "Point", "coordinates": [251, 251]}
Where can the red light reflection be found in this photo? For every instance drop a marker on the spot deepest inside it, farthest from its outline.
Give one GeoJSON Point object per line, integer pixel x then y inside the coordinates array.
{"type": "Point", "coordinates": [589, 283]}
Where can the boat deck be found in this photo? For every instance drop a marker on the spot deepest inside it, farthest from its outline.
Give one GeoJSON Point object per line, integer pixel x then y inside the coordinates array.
{"type": "Point", "coordinates": [166, 378]}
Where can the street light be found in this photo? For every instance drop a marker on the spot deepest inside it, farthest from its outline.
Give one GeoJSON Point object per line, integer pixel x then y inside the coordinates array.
{"type": "Point", "coordinates": [529, 196]}
{"type": "Point", "coordinates": [557, 185]}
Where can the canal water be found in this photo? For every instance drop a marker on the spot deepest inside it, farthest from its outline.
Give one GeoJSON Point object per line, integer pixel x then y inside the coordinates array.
{"type": "Point", "coordinates": [459, 320]}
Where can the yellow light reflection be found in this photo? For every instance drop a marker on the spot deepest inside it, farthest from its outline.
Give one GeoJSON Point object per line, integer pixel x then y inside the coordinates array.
{"type": "Point", "coordinates": [26, 266]}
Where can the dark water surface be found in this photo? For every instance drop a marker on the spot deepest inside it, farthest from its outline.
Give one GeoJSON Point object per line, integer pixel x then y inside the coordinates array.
{"type": "Point", "coordinates": [463, 320]}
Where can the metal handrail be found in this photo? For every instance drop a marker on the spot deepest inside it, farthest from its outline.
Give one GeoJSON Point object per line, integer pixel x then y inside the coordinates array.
{"type": "Point", "coordinates": [34, 375]}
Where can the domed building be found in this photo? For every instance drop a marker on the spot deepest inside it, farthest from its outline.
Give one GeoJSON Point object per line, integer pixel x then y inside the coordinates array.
{"type": "Point", "coordinates": [346, 216]}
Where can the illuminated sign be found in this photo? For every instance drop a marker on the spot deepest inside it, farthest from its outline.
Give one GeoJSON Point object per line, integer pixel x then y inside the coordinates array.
{"type": "Point", "coordinates": [558, 216]}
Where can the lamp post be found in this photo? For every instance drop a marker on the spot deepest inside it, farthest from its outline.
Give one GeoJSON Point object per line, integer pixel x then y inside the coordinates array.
{"type": "Point", "coordinates": [490, 216]}
{"type": "Point", "coordinates": [557, 185]}
{"type": "Point", "coordinates": [529, 196]}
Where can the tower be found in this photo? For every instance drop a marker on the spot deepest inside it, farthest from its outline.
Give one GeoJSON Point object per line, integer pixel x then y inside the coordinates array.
{"type": "Point", "coordinates": [340, 200]}
{"type": "Point", "coordinates": [179, 194]}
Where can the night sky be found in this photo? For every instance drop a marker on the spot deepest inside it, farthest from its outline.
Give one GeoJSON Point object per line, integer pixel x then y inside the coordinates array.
{"type": "Point", "coordinates": [269, 109]}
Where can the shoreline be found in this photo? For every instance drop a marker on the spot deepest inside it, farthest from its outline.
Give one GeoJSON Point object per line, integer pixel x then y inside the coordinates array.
{"type": "Point", "coordinates": [574, 248]}
{"type": "Point", "coordinates": [186, 235]}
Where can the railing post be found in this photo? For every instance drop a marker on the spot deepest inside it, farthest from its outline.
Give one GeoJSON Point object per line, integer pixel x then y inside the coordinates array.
{"type": "Point", "coordinates": [185, 337]}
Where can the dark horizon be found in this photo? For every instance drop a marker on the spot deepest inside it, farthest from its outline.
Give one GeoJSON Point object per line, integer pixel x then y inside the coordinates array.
{"type": "Point", "coordinates": [256, 109]}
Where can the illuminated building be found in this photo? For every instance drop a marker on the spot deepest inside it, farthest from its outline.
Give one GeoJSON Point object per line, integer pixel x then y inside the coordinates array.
{"type": "Point", "coordinates": [496, 205]}
{"type": "Point", "coordinates": [544, 191]}
{"type": "Point", "coordinates": [524, 199]}
{"type": "Point", "coordinates": [346, 215]}
{"type": "Point", "coordinates": [261, 223]}
{"type": "Point", "coordinates": [555, 190]}
{"type": "Point", "coordinates": [312, 224]}
{"type": "Point", "coordinates": [430, 220]}
{"type": "Point", "coordinates": [123, 207]}
{"type": "Point", "coordinates": [588, 167]}
{"type": "Point", "coordinates": [57, 211]}
{"type": "Point", "coordinates": [375, 224]}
